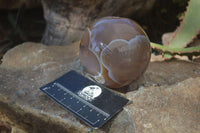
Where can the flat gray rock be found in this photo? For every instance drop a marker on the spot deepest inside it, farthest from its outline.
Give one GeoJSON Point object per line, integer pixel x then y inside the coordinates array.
{"type": "Point", "coordinates": [165, 99]}
{"type": "Point", "coordinates": [167, 109]}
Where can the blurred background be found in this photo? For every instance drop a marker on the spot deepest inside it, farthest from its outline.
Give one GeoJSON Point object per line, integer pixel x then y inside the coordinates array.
{"type": "Point", "coordinates": [23, 20]}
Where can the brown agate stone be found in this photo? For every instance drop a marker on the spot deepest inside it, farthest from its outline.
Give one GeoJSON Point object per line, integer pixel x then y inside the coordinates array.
{"type": "Point", "coordinates": [114, 51]}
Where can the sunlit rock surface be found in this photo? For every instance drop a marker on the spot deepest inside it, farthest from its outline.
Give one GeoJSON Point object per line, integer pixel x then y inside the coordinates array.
{"type": "Point", "coordinates": [165, 99]}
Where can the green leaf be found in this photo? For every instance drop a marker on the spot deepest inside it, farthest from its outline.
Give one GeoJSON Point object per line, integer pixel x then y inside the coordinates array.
{"type": "Point", "coordinates": [189, 28]}
{"type": "Point", "coordinates": [169, 52]}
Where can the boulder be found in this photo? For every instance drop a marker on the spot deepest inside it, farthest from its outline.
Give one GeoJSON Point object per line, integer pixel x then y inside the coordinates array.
{"type": "Point", "coordinates": [167, 108]}
{"type": "Point", "coordinates": [165, 99]}
{"type": "Point", "coordinates": [67, 19]}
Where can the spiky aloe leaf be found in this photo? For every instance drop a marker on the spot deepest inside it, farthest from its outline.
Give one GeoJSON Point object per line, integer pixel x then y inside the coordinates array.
{"type": "Point", "coordinates": [188, 30]}
{"type": "Point", "coordinates": [190, 51]}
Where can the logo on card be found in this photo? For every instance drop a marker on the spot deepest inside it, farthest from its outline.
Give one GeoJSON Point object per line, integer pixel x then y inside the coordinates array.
{"type": "Point", "coordinates": [89, 93]}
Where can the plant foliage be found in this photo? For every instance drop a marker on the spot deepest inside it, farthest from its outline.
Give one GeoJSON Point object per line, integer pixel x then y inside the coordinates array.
{"type": "Point", "coordinates": [184, 34]}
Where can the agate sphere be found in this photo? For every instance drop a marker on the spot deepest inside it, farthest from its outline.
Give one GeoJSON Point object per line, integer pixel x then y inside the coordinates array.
{"type": "Point", "coordinates": [114, 51]}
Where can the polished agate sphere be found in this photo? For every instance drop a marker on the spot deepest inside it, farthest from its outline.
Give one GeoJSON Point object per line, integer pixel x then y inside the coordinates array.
{"type": "Point", "coordinates": [114, 51]}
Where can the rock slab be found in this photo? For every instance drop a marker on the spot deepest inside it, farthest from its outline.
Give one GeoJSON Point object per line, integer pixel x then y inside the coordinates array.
{"type": "Point", "coordinates": [165, 99]}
